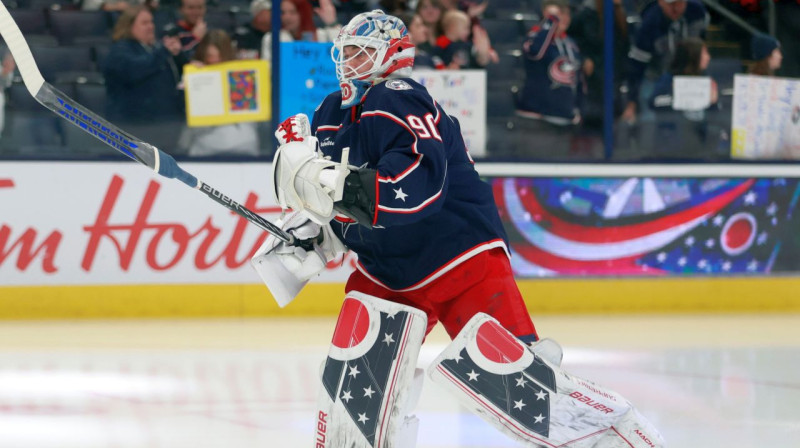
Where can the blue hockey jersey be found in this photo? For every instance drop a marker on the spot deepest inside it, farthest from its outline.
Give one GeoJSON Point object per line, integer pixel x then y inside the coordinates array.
{"type": "Point", "coordinates": [554, 85]}
{"type": "Point", "coordinates": [432, 210]}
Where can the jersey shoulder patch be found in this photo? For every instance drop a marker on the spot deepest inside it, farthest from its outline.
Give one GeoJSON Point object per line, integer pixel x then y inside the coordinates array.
{"type": "Point", "coordinates": [401, 96]}
{"type": "Point", "coordinates": [398, 84]}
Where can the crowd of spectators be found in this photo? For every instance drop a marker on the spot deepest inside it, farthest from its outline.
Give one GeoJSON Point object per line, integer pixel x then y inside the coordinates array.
{"type": "Point", "coordinates": [558, 54]}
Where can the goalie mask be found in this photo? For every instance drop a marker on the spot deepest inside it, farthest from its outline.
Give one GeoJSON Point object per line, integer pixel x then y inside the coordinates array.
{"type": "Point", "coordinates": [371, 47]}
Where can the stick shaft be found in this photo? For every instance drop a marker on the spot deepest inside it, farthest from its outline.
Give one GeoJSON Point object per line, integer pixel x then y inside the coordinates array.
{"type": "Point", "coordinates": [105, 131]}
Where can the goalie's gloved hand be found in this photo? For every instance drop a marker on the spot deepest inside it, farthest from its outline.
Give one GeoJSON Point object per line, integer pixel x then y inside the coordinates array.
{"type": "Point", "coordinates": [358, 196]}
{"type": "Point", "coordinates": [286, 268]}
{"type": "Point", "coordinates": [305, 258]}
{"type": "Point", "coordinates": [296, 128]}
{"type": "Point", "coordinates": [306, 181]}
{"type": "Point", "coordinates": [314, 247]}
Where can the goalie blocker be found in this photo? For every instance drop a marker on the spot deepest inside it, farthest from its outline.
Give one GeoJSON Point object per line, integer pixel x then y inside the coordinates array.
{"type": "Point", "coordinates": [531, 400]}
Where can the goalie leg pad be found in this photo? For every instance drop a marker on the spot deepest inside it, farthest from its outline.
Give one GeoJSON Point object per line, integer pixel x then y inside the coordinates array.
{"type": "Point", "coordinates": [368, 379]}
{"type": "Point", "coordinates": [530, 399]}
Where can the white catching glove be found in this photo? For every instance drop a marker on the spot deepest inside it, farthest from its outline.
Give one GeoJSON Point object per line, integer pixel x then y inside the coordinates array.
{"type": "Point", "coordinates": [286, 269]}
{"type": "Point", "coordinates": [302, 178]}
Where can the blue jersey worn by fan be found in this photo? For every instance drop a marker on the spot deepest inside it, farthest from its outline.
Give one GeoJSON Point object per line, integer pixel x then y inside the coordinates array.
{"type": "Point", "coordinates": [384, 171]}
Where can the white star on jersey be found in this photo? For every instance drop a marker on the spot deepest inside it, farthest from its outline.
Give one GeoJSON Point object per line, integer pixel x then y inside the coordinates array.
{"type": "Point", "coordinates": [473, 376]}
{"type": "Point", "coordinates": [399, 194]}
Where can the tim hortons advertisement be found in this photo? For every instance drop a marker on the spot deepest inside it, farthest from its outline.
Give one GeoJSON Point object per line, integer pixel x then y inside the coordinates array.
{"type": "Point", "coordinates": [111, 223]}
{"type": "Point", "coordinates": [67, 223]}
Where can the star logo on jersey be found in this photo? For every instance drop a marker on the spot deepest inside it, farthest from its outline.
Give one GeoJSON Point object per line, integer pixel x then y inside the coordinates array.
{"type": "Point", "coordinates": [399, 194]}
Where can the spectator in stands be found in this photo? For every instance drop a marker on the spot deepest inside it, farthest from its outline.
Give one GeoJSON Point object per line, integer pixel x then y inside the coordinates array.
{"type": "Point", "coordinates": [473, 8]}
{"type": "Point", "coordinates": [691, 59]}
{"type": "Point", "coordinates": [766, 51]}
{"type": "Point", "coordinates": [554, 82]}
{"type": "Point", "coordinates": [191, 27]}
{"type": "Point", "coordinates": [231, 139]}
{"type": "Point", "coordinates": [454, 46]}
{"type": "Point", "coordinates": [105, 5]}
{"type": "Point", "coordinates": [141, 74]}
{"type": "Point", "coordinates": [431, 13]}
{"type": "Point", "coordinates": [663, 25]}
{"type": "Point", "coordinates": [395, 7]}
{"type": "Point", "coordinates": [297, 23]}
{"type": "Point", "coordinates": [424, 54]}
{"type": "Point", "coordinates": [249, 37]}
{"type": "Point", "coordinates": [550, 102]}
{"type": "Point", "coordinates": [686, 130]}
{"type": "Point", "coordinates": [586, 29]}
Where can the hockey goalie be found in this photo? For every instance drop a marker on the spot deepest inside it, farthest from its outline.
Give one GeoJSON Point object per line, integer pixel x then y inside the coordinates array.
{"type": "Point", "coordinates": [382, 170]}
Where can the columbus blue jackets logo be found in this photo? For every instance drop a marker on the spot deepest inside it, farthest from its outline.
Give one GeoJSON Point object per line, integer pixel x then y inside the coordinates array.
{"type": "Point", "coordinates": [563, 71]}
{"type": "Point", "coordinates": [398, 84]}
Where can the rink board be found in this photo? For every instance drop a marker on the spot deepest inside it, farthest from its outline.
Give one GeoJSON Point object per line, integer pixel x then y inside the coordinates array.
{"type": "Point", "coordinates": [113, 240]}
{"type": "Point", "coordinates": [549, 296]}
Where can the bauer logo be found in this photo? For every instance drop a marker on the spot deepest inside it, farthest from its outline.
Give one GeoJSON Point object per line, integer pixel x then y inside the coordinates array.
{"type": "Point", "coordinates": [322, 429]}
{"type": "Point", "coordinates": [591, 402]}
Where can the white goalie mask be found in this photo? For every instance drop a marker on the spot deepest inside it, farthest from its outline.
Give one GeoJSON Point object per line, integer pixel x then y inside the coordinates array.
{"type": "Point", "coordinates": [367, 50]}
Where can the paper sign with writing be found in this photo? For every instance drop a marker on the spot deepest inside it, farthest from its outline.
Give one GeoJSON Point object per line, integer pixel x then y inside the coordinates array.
{"type": "Point", "coordinates": [231, 92]}
{"type": "Point", "coordinates": [308, 75]}
{"type": "Point", "coordinates": [691, 92]}
{"type": "Point", "coordinates": [766, 118]}
{"type": "Point", "coordinates": [462, 94]}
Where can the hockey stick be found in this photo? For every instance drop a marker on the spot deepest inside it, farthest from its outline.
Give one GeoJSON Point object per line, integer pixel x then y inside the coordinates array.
{"type": "Point", "coordinates": [138, 150]}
